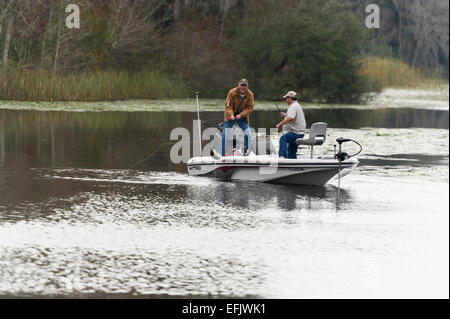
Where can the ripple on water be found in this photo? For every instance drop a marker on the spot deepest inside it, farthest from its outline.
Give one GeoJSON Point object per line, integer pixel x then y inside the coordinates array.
{"type": "Point", "coordinates": [124, 176]}
{"type": "Point", "coordinates": [137, 233]}
{"type": "Point", "coordinates": [58, 271]}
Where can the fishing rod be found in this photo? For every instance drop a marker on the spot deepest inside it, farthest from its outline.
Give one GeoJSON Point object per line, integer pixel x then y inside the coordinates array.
{"type": "Point", "coordinates": [277, 107]}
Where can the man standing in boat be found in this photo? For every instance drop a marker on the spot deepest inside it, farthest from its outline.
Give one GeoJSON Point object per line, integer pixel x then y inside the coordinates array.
{"type": "Point", "coordinates": [294, 126]}
{"type": "Point", "coordinates": [238, 106]}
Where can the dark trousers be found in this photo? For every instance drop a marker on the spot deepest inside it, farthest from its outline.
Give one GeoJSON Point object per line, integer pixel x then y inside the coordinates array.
{"type": "Point", "coordinates": [288, 147]}
{"type": "Point", "coordinates": [242, 123]}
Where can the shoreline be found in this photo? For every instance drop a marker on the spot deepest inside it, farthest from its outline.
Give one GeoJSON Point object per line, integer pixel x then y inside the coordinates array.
{"type": "Point", "coordinates": [389, 98]}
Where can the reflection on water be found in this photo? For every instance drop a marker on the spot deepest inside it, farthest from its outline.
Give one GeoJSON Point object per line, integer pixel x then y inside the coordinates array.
{"type": "Point", "coordinates": [145, 234]}
{"type": "Point", "coordinates": [118, 232]}
{"type": "Point", "coordinates": [62, 188]}
{"type": "Point", "coordinates": [74, 221]}
{"type": "Point", "coordinates": [120, 139]}
{"type": "Point", "coordinates": [354, 119]}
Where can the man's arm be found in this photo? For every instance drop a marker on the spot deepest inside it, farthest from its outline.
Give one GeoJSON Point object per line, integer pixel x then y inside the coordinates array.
{"type": "Point", "coordinates": [285, 121]}
{"type": "Point", "coordinates": [228, 107]}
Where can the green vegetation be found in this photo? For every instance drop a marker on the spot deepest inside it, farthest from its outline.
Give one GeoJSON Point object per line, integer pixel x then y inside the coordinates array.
{"type": "Point", "coordinates": [306, 54]}
{"type": "Point", "coordinates": [134, 49]}
{"type": "Point", "coordinates": [41, 85]}
{"type": "Point", "coordinates": [389, 72]}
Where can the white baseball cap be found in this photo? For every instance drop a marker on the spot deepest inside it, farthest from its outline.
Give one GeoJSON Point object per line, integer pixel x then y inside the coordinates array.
{"type": "Point", "coordinates": [290, 94]}
{"type": "Point", "coordinates": [243, 81]}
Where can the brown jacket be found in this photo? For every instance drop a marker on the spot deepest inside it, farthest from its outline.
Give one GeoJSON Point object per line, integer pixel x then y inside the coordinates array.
{"type": "Point", "coordinates": [232, 103]}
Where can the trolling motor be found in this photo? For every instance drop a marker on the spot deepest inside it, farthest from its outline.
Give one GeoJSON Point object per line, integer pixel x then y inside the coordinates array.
{"type": "Point", "coordinates": [342, 156]}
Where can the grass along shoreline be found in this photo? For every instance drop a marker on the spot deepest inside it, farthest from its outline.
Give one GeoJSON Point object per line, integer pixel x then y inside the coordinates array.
{"type": "Point", "coordinates": [394, 73]}
{"type": "Point", "coordinates": [39, 85]}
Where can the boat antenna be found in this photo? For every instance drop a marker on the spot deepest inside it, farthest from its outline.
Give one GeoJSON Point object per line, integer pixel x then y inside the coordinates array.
{"type": "Point", "coordinates": [199, 125]}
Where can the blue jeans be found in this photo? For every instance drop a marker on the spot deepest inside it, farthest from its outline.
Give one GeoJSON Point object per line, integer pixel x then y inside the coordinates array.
{"type": "Point", "coordinates": [288, 147]}
{"type": "Point", "coordinates": [228, 125]}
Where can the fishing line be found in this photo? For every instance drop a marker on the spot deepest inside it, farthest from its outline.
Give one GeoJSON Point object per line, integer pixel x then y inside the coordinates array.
{"type": "Point", "coordinates": [171, 143]}
{"type": "Point", "coordinates": [151, 155]}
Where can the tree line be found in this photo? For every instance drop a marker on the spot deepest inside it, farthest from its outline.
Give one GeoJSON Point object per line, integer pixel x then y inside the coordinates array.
{"type": "Point", "coordinates": [416, 31]}
{"type": "Point", "coordinates": [315, 46]}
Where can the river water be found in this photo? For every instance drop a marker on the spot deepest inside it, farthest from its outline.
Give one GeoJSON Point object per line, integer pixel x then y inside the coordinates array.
{"type": "Point", "coordinates": [76, 221]}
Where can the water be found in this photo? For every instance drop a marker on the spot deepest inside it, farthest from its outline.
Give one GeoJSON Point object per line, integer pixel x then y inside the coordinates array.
{"type": "Point", "coordinates": [75, 221]}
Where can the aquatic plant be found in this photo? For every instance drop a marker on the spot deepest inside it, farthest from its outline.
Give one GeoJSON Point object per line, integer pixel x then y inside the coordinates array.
{"type": "Point", "coordinates": [390, 72]}
{"type": "Point", "coordinates": [40, 85]}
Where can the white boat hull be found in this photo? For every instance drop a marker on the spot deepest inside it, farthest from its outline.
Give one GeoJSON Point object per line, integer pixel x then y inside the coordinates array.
{"type": "Point", "coordinates": [270, 169]}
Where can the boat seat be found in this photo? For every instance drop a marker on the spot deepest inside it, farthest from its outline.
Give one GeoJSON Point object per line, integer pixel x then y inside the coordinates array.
{"type": "Point", "coordinates": [317, 136]}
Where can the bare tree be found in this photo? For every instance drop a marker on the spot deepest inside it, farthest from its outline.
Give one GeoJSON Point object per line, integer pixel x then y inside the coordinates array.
{"type": "Point", "coordinates": [7, 13]}
{"type": "Point", "coordinates": [8, 31]}
{"type": "Point", "coordinates": [399, 28]}
{"type": "Point", "coordinates": [225, 6]}
{"type": "Point", "coordinates": [418, 28]}
{"type": "Point", "coordinates": [426, 23]}
{"type": "Point", "coordinates": [129, 23]}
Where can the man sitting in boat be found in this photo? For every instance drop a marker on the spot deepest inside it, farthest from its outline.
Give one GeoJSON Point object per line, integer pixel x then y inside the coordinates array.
{"type": "Point", "coordinates": [238, 106]}
{"type": "Point", "coordinates": [294, 126]}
